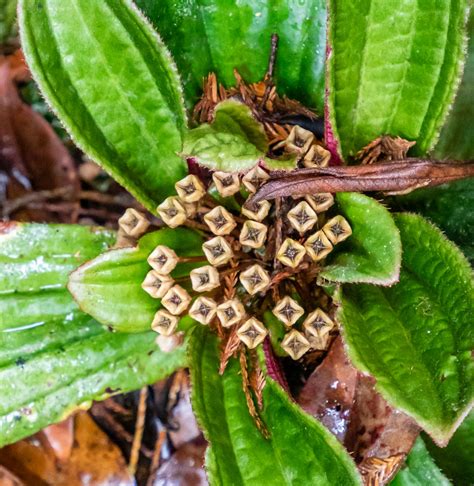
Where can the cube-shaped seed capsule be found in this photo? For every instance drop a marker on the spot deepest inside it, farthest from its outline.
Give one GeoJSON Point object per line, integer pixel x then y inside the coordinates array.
{"type": "Point", "coordinates": [203, 310]}
{"type": "Point", "coordinates": [227, 183]}
{"type": "Point", "coordinates": [318, 246]}
{"type": "Point", "coordinates": [204, 278]}
{"type": "Point", "coordinates": [163, 259]}
{"type": "Point", "coordinates": [157, 284]}
{"type": "Point", "coordinates": [176, 300]}
{"type": "Point", "coordinates": [253, 234]}
{"type": "Point", "coordinates": [164, 323]}
{"type": "Point", "coordinates": [259, 212]}
{"type": "Point", "coordinates": [319, 343]}
{"type": "Point", "coordinates": [252, 333]}
{"type": "Point", "coordinates": [190, 189]}
{"type": "Point", "coordinates": [299, 140]}
{"type": "Point", "coordinates": [230, 312]}
{"type": "Point", "coordinates": [172, 212]}
{"type": "Point", "coordinates": [318, 323]}
{"type": "Point", "coordinates": [288, 311]}
{"type": "Point", "coordinates": [295, 344]}
{"type": "Point", "coordinates": [317, 156]}
{"type": "Point", "coordinates": [220, 221]}
{"type": "Point", "coordinates": [337, 229]}
{"type": "Point", "coordinates": [320, 202]}
{"type": "Point", "coordinates": [254, 178]}
{"type": "Point", "coordinates": [302, 217]}
{"type": "Point", "coordinates": [254, 279]}
{"type": "Point", "coordinates": [291, 253]}
{"type": "Point", "coordinates": [133, 223]}
{"type": "Point", "coordinates": [218, 251]}
{"type": "Point", "coordinates": [169, 343]}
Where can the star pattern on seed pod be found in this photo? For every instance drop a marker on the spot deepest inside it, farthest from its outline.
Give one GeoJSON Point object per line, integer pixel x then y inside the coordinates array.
{"type": "Point", "coordinates": [295, 344]}
{"type": "Point", "coordinates": [258, 212]}
{"type": "Point", "coordinates": [317, 156]}
{"type": "Point", "coordinates": [156, 284]}
{"type": "Point", "coordinates": [318, 323]}
{"type": "Point", "coordinates": [254, 279]}
{"type": "Point", "coordinates": [252, 333]}
{"type": "Point", "coordinates": [227, 184]}
{"type": "Point", "coordinates": [172, 212]}
{"type": "Point", "coordinates": [302, 217]}
{"type": "Point", "coordinates": [218, 251]}
{"type": "Point", "coordinates": [203, 310]}
{"type": "Point", "coordinates": [291, 253]}
{"type": "Point", "coordinates": [220, 221]}
{"type": "Point", "coordinates": [176, 300]}
{"type": "Point", "coordinates": [164, 323]}
{"type": "Point", "coordinates": [163, 259]}
{"type": "Point", "coordinates": [253, 234]}
{"type": "Point", "coordinates": [133, 223]}
{"type": "Point", "coordinates": [318, 246]}
{"type": "Point", "coordinates": [298, 141]}
{"type": "Point", "coordinates": [204, 278]}
{"type": "Point", "coordinates": [288, 311]}
{"type": "Point", "coordinates": [254, 178]}
{"type": "Point", "coordinates": [190, 189]}
{"type": "Point", "coordinates": [230, 312]}
{"type": "Point", "coordinates": [320, 202]}
{"type": "Point", "coordinates": [337, 229]}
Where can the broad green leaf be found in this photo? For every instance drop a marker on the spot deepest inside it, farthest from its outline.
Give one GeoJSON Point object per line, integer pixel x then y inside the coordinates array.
{"type": "Point", "coordinates": [451, 207]}
{"type": "Point", "coordinates": [35, 261]}
{"type": "Point", "coordinates": [420, 469]}
{"type": "Point", "coordinates": [234, 141]}
{"type": "Point", "coordinates": [456, 140]}
{"type": "Point", "coordinates": [299, 451]}
{"type": "Point", "coordinates": [113, 84]}
{"type": "Point", "coordinates": [7, 19]}
{"type": "Point", "coordinates": [393, 69]}
{"type": "Point", "coordinates": [455, 459]}
{"type": "Point", "coordinates": [372, 254]}
{"type": "Point", "coordinates": [221, 35]}
{"type": "Point", "coordinates": [109, 287]}
{"type": "Point", "coordinates": [416, 337]}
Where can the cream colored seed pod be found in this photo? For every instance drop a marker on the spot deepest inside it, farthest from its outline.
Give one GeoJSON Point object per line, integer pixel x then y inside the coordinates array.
{"type": "Point", "coordinates": [298, 141]}
{"type": "Point", "coordinates": [191, 209]}
{"type": "Point", "coordinates": [253, 234]}
{"type": "Point", "coordinates": [302, 217]}
{"type": "Point", "coordinates": [317, 156]}
{"type": "Point", "coordinates": [319, 343]}
{"type": "Point", "coordinates": [190, 189]}
{"type": "Point", "coordinates": [163, 259]}
{"type": "Point", "coordinates": [220, 221]}
{"type": "Point", "coordinates": [156, 284]}
{"type": "Point", "coordinates": [318, 323]}
{"type": "Point", "coordinates": [318, 246]}
{"type": "Point", "coordinates": [254, 178]}
{"type": "Point", "coordinates": [291, 253]}
{"type": "Point", "coordinates": [204, 278]}
{"type": "Point", "coordinates": [288, 311]}
{"type": "Point", "coordinates": [227, 184]}
{"type": "Point", "coordinates": [254, 279]}
{"type": "Point", "coordinates": [176, 300]}
{"type": "Point", "coordinates": [172, 212]}
{"type": "Point", "coordinates": [252, 333]}
{"type": "Point", "coordinates": [320, 202]}
{"type": "Point", "coordinates": [203, 310]}
{"type": "Point", "coordinates": [164, 323]}
{"type": "Point", "coordinates": [218, 252]}
{"type": "Point", "coordinates": [133, 223]}
{"type": "Point", "coordinates": [337, 229]}
{"type": "Point", "coordinates": [169, 343]}
{"type": "Point", "coordinates": [295, 344]}
{"type": "Point", "coordinates": [262, 208]}
{"type": "Point", "coordinates": [230, 312]}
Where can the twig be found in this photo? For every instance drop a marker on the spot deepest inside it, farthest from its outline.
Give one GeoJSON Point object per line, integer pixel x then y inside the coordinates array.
{"type": "Point", "coordinates": [155, 460]}
{"type": "Point", "coordinates": [139, 425]}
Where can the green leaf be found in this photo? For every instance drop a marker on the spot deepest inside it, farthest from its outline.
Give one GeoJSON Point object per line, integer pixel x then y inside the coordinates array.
{"type": "Point", "coordinates": [416, 337]}
{"type": "Point", "coordinates": [451, 207]}
{"type": "Point", "coordinates": [299, 451]}
{"type": "Point", "coordinates": [109, 287]}
{"type": "Point", "coordinates": [456, 140]}
{"type": "Point", "coordinates": [7, 19]}
{"type": "Point", "coordinates": [393, 69]}
{"type": "Point", "coordinates": [456, 458]}
{"type": "Point", "coordinates": [35, 261]}
{"type": "Point", "coordinates": [113, 85]}
{"type": "Point", "coordinates": [372, 254]}
{"type": "Point", "coordinates": [218, 35]}
{"type": "Point", "coordinates": [420, 469]}
{"type": "Point", "coordinates": [234, 141]}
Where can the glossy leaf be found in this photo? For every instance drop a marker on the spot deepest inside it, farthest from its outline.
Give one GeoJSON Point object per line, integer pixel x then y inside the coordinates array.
{"type": "Point", "coordinates": [420, 469]}
{"type": "Point", "coordinates": [234, 141]}
{"type": "Point", "coordinates": [299, 451]}
{"type": "Point", "coordinates": [416, 337]}
{"type": "Point", "coordinates": [393, 69]}
{"type": "Point", "coordinates": [372, 254]}
{"type": "Point", "coordinates": [218, 35]}
{"type": "Point", "coordinates": [109, 287]}
{"type": "Point", "coordinates": [35, 261]}
{"type": "Point", "coordinates": [7, 18]}
{"type": "Point", "coordinates": [456, 140]}
{"type": "Point", "coordinates": [125, 110]}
